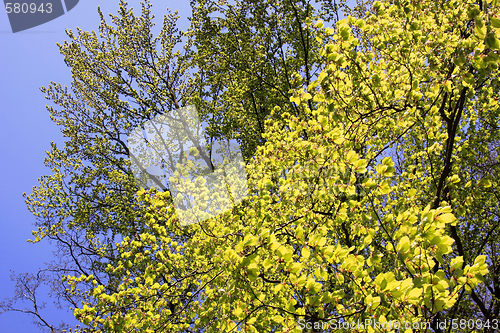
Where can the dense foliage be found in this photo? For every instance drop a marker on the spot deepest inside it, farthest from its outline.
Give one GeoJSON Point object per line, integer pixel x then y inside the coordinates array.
{"type": "Point", "coordinates": [371, 147]}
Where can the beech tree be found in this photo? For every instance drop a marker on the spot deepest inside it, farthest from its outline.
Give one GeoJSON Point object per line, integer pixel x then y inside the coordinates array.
{"type": "Point", "coordinates": [376, 200]}
{"type": "Point", "coordinates": [123, 77]}
{"type": "Point", "coordinates": [371, 148]}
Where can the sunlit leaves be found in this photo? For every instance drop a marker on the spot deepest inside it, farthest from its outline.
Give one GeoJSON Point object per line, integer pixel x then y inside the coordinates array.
{"type": "Point", "coordinates": [364, 179]}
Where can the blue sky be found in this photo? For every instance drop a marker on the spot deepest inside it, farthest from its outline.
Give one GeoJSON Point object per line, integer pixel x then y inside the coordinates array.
{"type": "Point", "coordinates": [29, 60]}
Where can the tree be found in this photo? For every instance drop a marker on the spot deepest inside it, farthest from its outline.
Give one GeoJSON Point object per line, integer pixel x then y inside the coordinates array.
{"type": "Point", "coordinates": [26, 291]}
{"type": "Point", "coordinates": [374, 195]}
{"type": "Point", "coordinates": [125, 77]}
{"type": "Point", "coordinates": [246, 56]}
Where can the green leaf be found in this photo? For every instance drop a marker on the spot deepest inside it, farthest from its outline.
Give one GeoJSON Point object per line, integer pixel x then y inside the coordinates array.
{"type": "Point", "coordinates": [457, 263]}
{"type": "Point", "coordinates": [446, 218]}
{"type": "Point", "coordinates": [495, 22]}
{"type": "Point", "coordinates": [413, 296]}
{"type": "Point", "coordinates": [296, 267]}
{"type": "Point", "coordinates": [306, 252]}
{"type": "Point", "coordinates": [492, 42]}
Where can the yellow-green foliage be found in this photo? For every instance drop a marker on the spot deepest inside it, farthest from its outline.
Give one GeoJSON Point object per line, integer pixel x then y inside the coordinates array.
{"type": "Point", "coordinates": [369, 203]}
{"type": "Point", "coordinates": [372, 154]}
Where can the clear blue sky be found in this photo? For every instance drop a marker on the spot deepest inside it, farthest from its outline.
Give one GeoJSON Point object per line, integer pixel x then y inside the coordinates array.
{"type": "Point", "coordinates": [28, 60]}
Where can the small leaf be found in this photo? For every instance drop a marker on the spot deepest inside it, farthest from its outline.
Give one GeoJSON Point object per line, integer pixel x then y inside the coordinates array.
{"type": "Point", "coordinates": [306, 252]}
{"type": "Point", "coordinates": [495, 22]}
{"type": "Point", "coordinates": [446, 218]}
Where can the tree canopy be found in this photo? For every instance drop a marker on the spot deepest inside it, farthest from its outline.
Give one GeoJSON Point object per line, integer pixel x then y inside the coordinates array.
{"type": "Point", "coordinates": [370, 145]}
